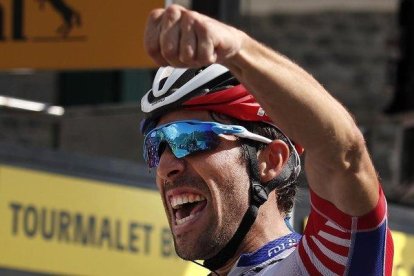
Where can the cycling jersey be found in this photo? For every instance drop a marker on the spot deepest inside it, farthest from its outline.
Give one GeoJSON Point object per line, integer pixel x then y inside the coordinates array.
{"type": "Point", "coordinates": [333, 243]}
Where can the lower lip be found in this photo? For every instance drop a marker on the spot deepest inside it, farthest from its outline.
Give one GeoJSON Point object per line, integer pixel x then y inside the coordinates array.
{"type": "Point", "coordinates": [186, 226]}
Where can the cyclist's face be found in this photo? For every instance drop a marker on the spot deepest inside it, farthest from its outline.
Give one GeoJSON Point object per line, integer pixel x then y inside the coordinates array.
{"type": "Point", "coordinates": [205, 194]}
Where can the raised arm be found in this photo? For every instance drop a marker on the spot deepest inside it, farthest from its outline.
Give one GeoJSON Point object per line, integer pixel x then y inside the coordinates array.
{"type": "Point", "coordinates": [337, 163]}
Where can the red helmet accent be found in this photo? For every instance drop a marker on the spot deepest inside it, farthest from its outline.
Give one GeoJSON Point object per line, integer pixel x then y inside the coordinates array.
{"type": "Point", "coordinates": [235, 102]}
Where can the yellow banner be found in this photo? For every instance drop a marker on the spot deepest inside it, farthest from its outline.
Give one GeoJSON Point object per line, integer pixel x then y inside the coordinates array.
{"type": "Point", "coordinates": [403, 254]}
{"type": "Point", "coordinates": [73, 34]}
{"type": "Point", "coordinates": [64, 225]}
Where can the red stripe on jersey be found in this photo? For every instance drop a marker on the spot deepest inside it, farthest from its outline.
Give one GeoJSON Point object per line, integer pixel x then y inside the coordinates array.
{"type": "Point", "coordinates": [337, 233]}
{"type": "Point", "coordinates": [389, 253]}
{"type": "Point", "coordinates": [374, 218]}
{"type": "Point", "coordinates": [320, 222]}
{"type": "Point", "coordinates": [317, 223]}
{"type": "Point", "coordinates": [338, 249]}
{"type": "Point", "coordinates": [369, 221]}
{"type": "Point", "coordinates": [312, 224]}
{"type": "Point", "coordinates": [329, 210]}
{"type": "Point", "coordinates": [326, 261]}
{"type": "Point", "coordinates": [310, 268]}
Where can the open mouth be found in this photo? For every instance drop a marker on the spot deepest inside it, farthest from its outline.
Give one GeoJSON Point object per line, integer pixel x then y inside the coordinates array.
{"type": "Point", "coordinates": [187, 206]}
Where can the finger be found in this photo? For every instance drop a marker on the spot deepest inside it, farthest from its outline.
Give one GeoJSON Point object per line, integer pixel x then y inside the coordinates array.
{"type": "Point", "coordinates": [188, 41]}
{"type": "Point", "coordinates": [170, 35]}
{"type": "Point", "coordinates": [152, 36]}
{"type": "Point", "coordinates": [205, 47]}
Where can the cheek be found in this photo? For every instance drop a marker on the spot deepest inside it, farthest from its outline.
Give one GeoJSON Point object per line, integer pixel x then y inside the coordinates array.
{"type": "Point", "coordinates": [229, 186]}
{"type": "Point", "coordinates": [232, 163]}
{"type": "Point", "coordinates": [222, 158]}
{"type": "Point", "coordinates": [225, 170]}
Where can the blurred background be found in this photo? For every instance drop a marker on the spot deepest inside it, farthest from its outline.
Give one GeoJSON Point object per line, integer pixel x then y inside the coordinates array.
{"type": "Point", "coordinates": [75, 196]}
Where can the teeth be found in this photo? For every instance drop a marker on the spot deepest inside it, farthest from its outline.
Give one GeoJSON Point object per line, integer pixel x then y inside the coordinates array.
{"type": "Point", "coordinates": [178, 200]}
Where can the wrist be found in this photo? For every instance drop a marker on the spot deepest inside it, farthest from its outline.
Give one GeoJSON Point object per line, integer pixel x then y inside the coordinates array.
{"type": "Point", "coordinates": [249, 54]}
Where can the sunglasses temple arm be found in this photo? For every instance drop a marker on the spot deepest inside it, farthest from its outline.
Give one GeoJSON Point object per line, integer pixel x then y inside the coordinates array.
{"type": "Point", "coordinates": [249, 135]}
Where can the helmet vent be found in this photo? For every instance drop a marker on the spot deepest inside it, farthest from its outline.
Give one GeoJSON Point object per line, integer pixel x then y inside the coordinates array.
{"type": "Point", "coordinates": [184, 78]}
{"type": "Point", "coordinates": [161, 84]}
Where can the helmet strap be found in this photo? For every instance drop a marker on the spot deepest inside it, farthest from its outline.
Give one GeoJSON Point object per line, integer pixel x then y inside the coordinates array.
{"type": "Point", "coordinates": [258, 196]}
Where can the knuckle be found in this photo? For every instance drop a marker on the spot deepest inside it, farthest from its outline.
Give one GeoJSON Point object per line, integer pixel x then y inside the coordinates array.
{"type": "Point", "coordinates": [186, 58]}
{"type": "Point", "coordinates": [192, 14]}
{"type": "Point", "coordinates": [188, 50]}
{"type": "Point", "coordinates": [188, 42]}
{"type": "Point", "coordinates": [187, 18]}
{"type": "Point", "coordinates": [172, 13]}
{"type": "Point", "coordinates": [202, 30]}
{"type": "Point", "coordinates": [212, 59]}
{"type": "Point", "coordinates": [170, 51]}
{"type": "Point", "coordinates": [173, 7]}
{"type": "Point", "coordinates": [155, 14]}
{"type": "Point", "coordinates": [186, 25]}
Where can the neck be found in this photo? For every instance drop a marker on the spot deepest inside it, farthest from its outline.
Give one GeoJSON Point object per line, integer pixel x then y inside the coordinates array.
{"type": "Point", "coordinates": [224, 270]}
{"type": "Point", "coordinates": [269, 225]}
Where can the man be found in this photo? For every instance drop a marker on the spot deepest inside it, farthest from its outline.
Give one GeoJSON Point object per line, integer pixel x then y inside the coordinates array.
{"type": "Point", "coordinates": [227, 175]}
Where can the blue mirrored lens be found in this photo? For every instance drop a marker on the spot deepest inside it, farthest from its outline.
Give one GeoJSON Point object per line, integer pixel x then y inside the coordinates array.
{"type": "Point", "coordinates": [183, 138]}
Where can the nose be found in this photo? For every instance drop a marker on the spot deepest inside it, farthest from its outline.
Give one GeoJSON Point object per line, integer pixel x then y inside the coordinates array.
{"type": "Point", "coordinates": [169, 167]}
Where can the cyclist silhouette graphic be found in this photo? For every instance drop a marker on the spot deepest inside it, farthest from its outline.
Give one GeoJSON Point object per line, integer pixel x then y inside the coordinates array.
{"type": "Point", "coordinates": [70, 17]}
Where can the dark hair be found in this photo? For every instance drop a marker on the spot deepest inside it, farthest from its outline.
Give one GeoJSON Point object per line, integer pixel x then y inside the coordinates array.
{"type": "Point", "coordinates": [285, 194]}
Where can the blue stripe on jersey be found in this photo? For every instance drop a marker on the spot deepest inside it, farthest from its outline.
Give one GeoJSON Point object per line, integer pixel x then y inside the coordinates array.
{"type": "Point", "coordinates": [270, 250]}
{"type": "Point", "coordinates": [368, 252]}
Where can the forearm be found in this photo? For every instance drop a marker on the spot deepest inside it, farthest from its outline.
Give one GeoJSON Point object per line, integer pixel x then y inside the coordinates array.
{"type": "Point", "coordinates": [292, 97]}
{"type": "Point", "coordinates": [337, 163]}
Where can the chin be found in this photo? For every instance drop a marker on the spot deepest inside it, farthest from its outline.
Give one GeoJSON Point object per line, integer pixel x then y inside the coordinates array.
{"type": "Point", "coordinates": [197, 249]}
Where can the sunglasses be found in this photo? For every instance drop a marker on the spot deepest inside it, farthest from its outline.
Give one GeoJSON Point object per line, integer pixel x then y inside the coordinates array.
{"type": "Point", "coordinates": [190, 136]}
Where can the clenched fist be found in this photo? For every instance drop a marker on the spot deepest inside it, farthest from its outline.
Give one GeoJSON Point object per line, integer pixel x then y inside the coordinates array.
{"type": "Point", "coordinates": [179, 37]}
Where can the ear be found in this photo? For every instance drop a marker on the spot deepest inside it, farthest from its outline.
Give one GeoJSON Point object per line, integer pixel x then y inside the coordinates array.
{"type": "Point", "coordinates": [272, 160]}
